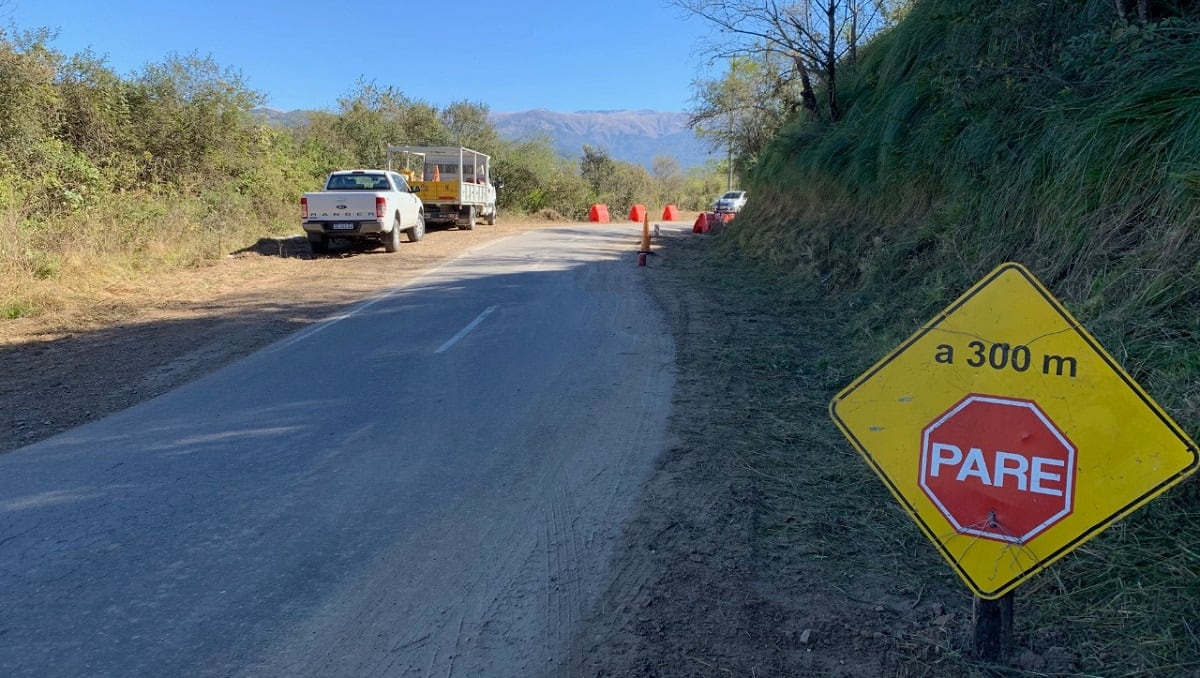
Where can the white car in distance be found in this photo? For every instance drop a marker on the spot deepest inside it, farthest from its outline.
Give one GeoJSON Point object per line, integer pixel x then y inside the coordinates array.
{"type": "Point", "coordinates": [730, 203]}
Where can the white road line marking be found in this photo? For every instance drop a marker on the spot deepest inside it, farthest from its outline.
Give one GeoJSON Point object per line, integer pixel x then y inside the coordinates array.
{"type": "Point", "coordinates": [466, 330]}
{"type": "Point", "coordinates": [331, 320]}
{"type": "Point", "coordinates": [387, 294]}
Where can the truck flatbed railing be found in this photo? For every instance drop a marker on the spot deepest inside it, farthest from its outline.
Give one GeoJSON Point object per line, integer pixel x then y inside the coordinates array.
{"type": "Point", "coordinates": [455, 182]}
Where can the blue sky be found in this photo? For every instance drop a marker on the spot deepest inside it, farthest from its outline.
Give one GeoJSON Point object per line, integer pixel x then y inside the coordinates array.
{"type": "Point", "coordinates": [512, 55]}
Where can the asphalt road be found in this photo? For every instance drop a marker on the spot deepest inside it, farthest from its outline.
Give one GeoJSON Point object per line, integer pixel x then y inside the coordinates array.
{"type": "Point", "coordinates": [430, 484]}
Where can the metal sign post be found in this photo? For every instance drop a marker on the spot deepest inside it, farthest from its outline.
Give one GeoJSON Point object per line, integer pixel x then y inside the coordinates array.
{"type": "Point", "coordinates": [992, 627]}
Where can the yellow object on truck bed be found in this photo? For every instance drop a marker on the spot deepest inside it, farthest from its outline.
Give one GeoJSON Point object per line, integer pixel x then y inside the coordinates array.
{"type": "Point", "coordinates": [455, 182]}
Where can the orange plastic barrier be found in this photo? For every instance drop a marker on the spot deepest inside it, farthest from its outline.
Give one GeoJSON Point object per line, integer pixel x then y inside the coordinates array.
{"type": "Point", "coordinates": [599, 214]}
{"type": "Point", "coordinates": [638, 213]}
{"type": "Point", "coordinates": [707, 220]}
{"type": "Point", "coordinates": [670, 213]}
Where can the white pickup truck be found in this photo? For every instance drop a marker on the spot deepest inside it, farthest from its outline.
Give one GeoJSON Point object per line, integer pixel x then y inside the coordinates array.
{"type": "Point", "coordinates": [363, 205]}
{"type": "Point", "coordinates": [456, 183]}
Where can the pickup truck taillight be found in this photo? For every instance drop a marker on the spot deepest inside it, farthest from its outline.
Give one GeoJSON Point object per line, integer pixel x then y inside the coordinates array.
{"type": "Point", "coordinates": [303, 208]}
{"type": "Point", "coordinates": [380, 206]}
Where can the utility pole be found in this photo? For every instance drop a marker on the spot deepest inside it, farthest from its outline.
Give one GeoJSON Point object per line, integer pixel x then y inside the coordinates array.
{"type": "Point", "coordinates": [729, 155]}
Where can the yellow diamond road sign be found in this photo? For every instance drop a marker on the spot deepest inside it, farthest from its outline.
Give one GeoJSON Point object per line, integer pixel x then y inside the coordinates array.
{"type": "Point", "coordinates": [1009, 434]}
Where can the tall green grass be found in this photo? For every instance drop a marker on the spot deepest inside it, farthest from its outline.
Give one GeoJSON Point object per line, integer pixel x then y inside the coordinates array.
{"type": "Point", "coordinates": [1048, 133]}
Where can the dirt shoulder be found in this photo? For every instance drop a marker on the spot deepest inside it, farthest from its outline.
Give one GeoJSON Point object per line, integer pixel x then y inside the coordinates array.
{"type": "Point", "coordinates": [134, 340]}
{"type": "Point", "coordinates": [762, 546]}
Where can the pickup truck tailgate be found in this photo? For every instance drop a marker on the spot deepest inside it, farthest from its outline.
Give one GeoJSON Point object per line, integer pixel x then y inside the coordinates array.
{"type": "Point", "coordinates": [341, 206]}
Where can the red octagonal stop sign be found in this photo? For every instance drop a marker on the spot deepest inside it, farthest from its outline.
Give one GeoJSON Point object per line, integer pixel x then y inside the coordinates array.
{"type": "Point", "coordinates": [998, 468]}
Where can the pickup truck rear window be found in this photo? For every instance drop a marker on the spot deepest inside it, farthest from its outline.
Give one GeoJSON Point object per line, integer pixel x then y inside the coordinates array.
{"type": "Point", "coordinates": [358, 182]}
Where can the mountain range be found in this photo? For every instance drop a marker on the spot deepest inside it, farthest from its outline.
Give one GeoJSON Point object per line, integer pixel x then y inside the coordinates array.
{"type": "Point", "coordinates": [633, 136]}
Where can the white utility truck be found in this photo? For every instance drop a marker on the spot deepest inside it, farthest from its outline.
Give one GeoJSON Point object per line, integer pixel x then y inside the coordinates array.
{"type": "Point", "coordinates": [363, 205]}
{"type": "Point", "coordinates": [455, 182]}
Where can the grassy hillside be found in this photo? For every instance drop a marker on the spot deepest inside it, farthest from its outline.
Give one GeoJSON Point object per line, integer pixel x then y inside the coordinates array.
{"type": "Point", "coordinates": [1056, 134]}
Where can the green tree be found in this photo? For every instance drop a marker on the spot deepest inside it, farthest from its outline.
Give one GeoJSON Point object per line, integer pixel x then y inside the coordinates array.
{"type": "Point", "coordinates": [668, 180]}
{"type": "Point", "coordinates": [320, 143]}
{"type": "Point", "coordinates": [597, 170]}
{"type": "Point", "coordinates": [537, 179]}
{"type": "Point", "coordinates": [566, 192]}
{"type": "Point", "coordinates": [615, 183]}
{"type": "Point", "coordinates": [527, 168]}
{"type": "Point", "coordinates": [631, 184]}
{"type": "Point", "coordinates": [701, 185]}
{"type": "Point", "coordinates": [94, 117]}
{"type": "Point", "coordinates": [371, 118]}
{"type": "Point", "coordinates": [467, 125]}
{"type": "Point", "coordinates": [742, 111]}
{"type": "Point", "coordinates": [29, 100]}
{"type": "Point", "coordinates": [186, 111]}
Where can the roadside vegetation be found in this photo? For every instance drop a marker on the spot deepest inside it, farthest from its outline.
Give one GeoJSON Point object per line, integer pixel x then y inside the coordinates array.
{"type": "Point", "coordinates": [107, 177]}
{"type": "Point", "coordinates": [1058, 134]}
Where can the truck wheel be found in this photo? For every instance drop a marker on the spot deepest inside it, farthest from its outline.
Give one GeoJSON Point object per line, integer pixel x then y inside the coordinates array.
{"type": "Point", "coordinates": [318, 243]}
{"type": "Point", "coordinates": [491, 217]}
{"type": "Point", "coordinates": [469, 223]}
{"type": "Point", "coordinates": [418, 230]}
{"type": "Point", "coordinates": [391, 241]}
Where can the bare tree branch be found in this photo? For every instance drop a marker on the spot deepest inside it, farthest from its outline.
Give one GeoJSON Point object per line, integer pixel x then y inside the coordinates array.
{"type": "Point", "coordinates": [818, 36]}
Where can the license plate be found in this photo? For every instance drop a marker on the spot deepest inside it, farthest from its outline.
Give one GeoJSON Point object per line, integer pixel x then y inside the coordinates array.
{"type": "Point", "coordinates": [341, 226]}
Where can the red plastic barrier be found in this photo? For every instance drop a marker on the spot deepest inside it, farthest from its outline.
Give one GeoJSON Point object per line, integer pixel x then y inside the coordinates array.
{"type": "Point", "coordinates": [670, 213]}
{"type": "Point", "coordinates": [638, 213]}
{"type": "Point", "coordinates": [701, 225]}
{"type": "Point", "coordinates": [599, 214]}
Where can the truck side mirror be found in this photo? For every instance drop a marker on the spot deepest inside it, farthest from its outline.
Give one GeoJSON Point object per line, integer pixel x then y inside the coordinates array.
{"type": "Point", "coordinates": [414, 189]}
